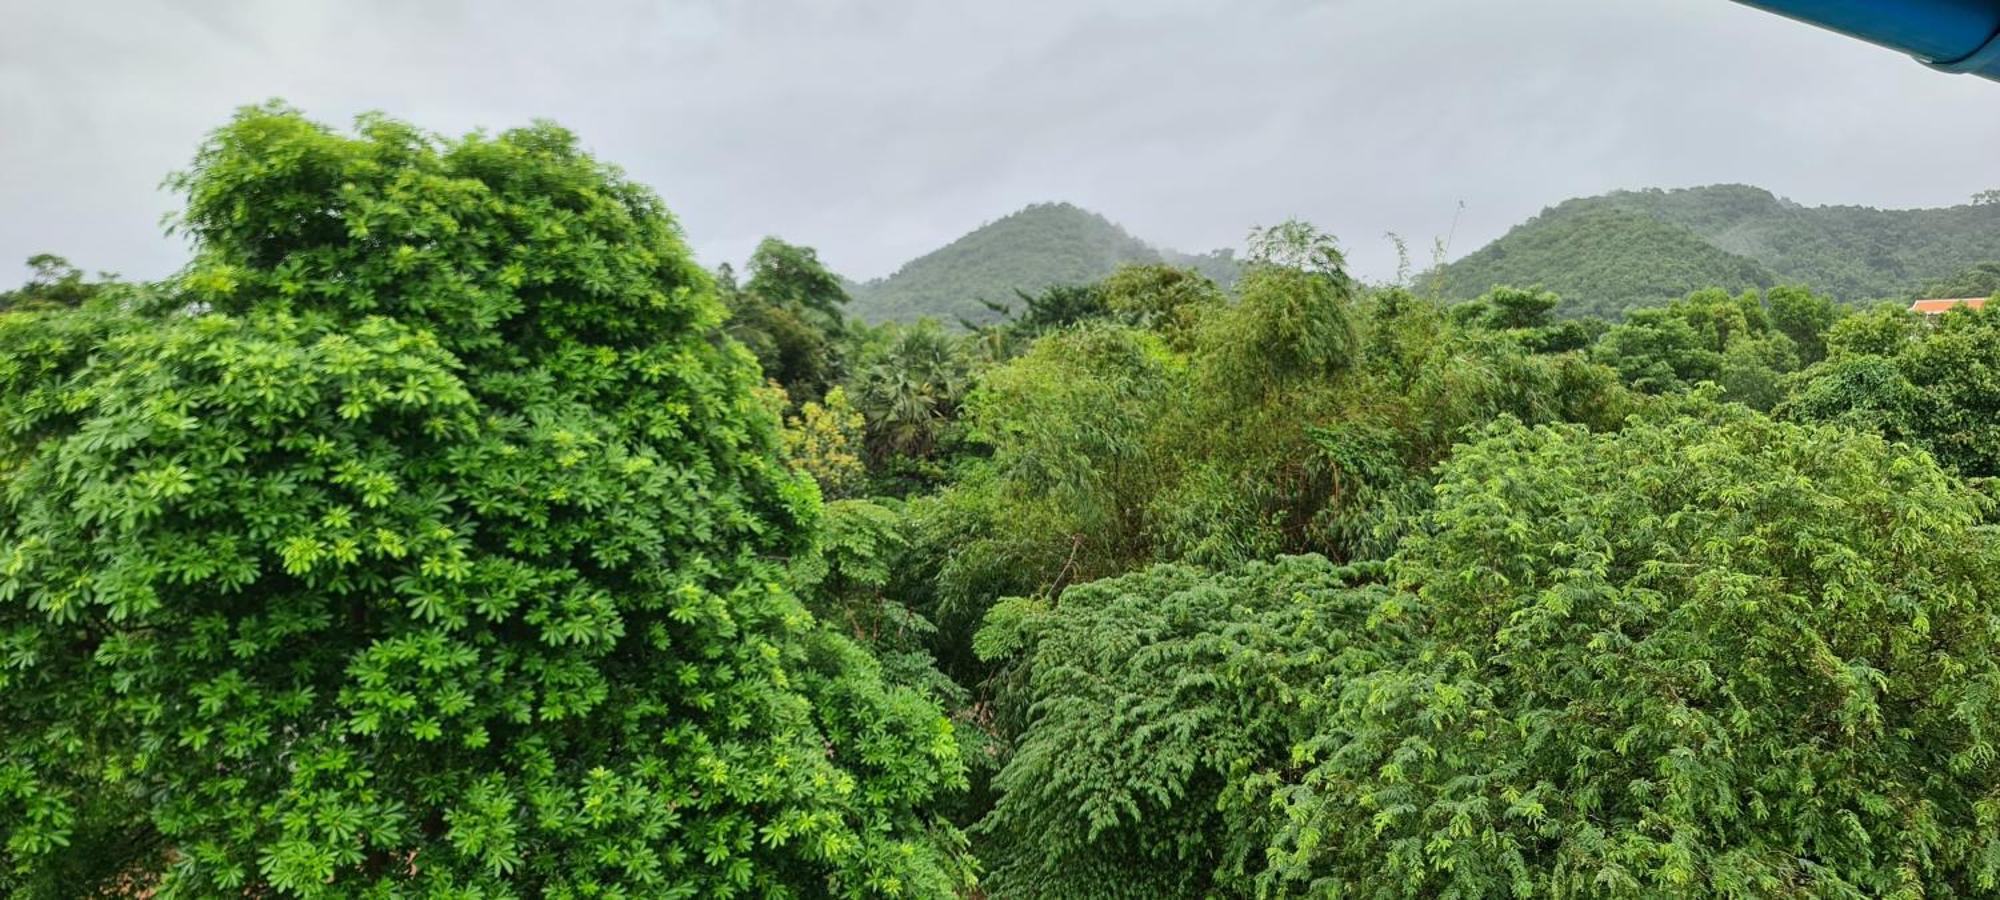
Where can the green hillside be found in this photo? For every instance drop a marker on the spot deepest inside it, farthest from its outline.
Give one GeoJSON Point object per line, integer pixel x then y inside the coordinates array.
{"type": "Point", "coordinates": [1603, 261]}
{"type": "Point", "coordinates": [1042, 245]}
{"type": "Point", "coordinates": [1609, 253]}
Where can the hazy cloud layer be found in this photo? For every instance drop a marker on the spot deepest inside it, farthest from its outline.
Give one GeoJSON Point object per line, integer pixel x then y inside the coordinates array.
{"type": "Point", "coordinates": [876, 130]}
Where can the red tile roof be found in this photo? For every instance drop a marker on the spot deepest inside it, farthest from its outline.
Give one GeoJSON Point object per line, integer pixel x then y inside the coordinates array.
{"type": "Point", "coordinates": [1933, 307]}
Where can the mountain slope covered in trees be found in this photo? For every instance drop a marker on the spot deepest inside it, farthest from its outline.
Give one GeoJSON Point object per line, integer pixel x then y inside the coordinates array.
{"type": "Point", "coordinates": [1041, 246]}
{"type": "Point", "coordinates": [1604, 255]}
{"type": "Point", "coordinates": [1604, 261]}
{"type": "Point", "coordinates": [1610, 253]}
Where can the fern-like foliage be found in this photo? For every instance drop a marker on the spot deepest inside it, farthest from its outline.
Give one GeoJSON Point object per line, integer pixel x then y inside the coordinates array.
{"type": "Point", "coordinates": [1148, 699]}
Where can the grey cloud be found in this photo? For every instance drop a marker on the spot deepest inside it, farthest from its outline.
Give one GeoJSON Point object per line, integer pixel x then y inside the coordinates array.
{"type": "Point", "coordinates": [877, 129]}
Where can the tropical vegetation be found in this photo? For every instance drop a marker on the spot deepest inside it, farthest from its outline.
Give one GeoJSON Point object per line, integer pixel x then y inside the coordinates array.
{"type": "Point", "coordinates": [442, 529]}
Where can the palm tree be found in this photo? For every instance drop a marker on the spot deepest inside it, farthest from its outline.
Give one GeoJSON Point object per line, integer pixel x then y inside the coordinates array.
{"type": "Point", "coordinates": [908, 388]}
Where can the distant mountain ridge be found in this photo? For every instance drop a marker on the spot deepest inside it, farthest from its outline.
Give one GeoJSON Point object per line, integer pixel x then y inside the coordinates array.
{"type": "Point", "coordinates": [1612, 252]}
{"type": "Point", "coordinates": [1042, 245]}
{"type": "Point", "coordinates": [1604, 254]}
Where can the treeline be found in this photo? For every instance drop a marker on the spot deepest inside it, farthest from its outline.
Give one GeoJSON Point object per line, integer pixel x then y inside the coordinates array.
{"type": "Point", "coordinates": [442, 530]}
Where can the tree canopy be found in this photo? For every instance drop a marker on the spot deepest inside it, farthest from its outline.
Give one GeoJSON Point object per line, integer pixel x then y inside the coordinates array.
{"type": "Point", "coordinates": [789, 315]}
{"type": "Point", "coordinates": [415, 542]}
{"type": "Point", "coordinates": [1708, 655]}
{"type": "Point", "coordinates": [1148, 696]}
{"type": "Point", "coordinates": [54, 283]}
{"type": "Point", "coordinates": [1935, 385]}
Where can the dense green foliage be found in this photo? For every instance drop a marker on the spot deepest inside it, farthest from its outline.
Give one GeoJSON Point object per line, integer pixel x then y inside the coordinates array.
{"type": "Point", "coordinates": [789, 316]}
{"type": "Point", "coordinates": [416, 542]}
{"type": "Point", "coordinates": [1294, 420]}
{"type": "Point", "coordinates": [1610, 253]}
{"type": "Point", "coordinates": [908, 383]}
{"type": "Point", "coordinates": [442, 530]}
{"type": "Point", "coordinates": [1708, 336]}
{"type": "Point", "coordinates": [1933, 384]}
{"type": "Point", "coordinates": [1152, 694]}
{"type": "Point", "coordinates": [1708, 655]}
{"type": "Point", "coordinates": [1107, 446]}
{"type": "Point", "coordinates": [1044, 245]}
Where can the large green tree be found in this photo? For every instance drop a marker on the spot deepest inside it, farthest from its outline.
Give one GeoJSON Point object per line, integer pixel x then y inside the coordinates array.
{"type": "Point", "coordinates": [789, 314]}
{"type": "Point", "coordinates": [1712, 336]}
{"type": "Point", "coordinates": [1708, 655]}
{"type": "Point", "coordinates": [1935, 383]}
{"type": "Point", "coordinates": [908, 383]}
{"type": "Point", "coordinates": [423, 539]}
{"type": "Point", "coordinates": [1528, 314]}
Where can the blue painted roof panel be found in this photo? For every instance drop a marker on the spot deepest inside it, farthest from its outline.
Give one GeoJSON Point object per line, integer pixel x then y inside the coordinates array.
{"type": "Point", "coordinates": [1953, 35]}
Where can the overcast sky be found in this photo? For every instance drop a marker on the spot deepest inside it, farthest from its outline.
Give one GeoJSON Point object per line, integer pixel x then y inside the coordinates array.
{"type": "Point", "coordinates": [877, 130]}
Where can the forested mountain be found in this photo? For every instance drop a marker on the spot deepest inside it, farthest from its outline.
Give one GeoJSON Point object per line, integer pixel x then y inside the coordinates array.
{"type": "Point", "coordinates": [1603, 260]}
{"type": "Point", "coordinates": [1604, 255]}
{"type": "Point", "coordinates": [1613, 252]}
{"type": "Point", "coordinates": [1041, 246]}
